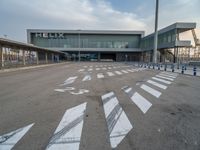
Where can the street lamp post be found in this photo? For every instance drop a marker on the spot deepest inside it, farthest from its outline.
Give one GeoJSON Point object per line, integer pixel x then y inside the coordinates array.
{"type": "Point", "coordinates": [79, 57]}
{"type": "Point", "coordinates": [156, 34]}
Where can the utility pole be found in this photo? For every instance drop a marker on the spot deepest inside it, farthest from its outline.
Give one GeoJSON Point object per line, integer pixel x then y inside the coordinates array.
{"type": "Point", "coordinates": [156, 34]}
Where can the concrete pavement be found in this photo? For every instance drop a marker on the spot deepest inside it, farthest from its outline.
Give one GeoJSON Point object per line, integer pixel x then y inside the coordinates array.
{"type": "Point", "coordinates": [110, 105]}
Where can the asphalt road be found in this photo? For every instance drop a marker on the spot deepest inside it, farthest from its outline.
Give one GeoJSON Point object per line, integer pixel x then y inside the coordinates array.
{"type": "Point", "coordinates": [141, 112]}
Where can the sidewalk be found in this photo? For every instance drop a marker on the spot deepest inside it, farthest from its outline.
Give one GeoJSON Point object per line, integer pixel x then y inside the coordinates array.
{"type": "Point", "coordinates": [30, 67]}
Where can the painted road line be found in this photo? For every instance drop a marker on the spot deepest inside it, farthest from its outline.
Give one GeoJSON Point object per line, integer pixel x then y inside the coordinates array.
{"type": "Point", "coordinates": [90, 69]}
{"type": "Point", "coordinates": [124, 71]}
{"type": "Point", "coordinates": [151, 90]}
{"type": "Point", "coordinates": [100, 75]}
{"type": "Point", "coordinates": [85, 66]}
{"type": "Point", "coordinates": [81, 70]}
{"type": "Point", "coordinates": [131, 70]}
{"type": "Point", "coordinates": [8, 141]}
{"type": "Point", "coordinates": [65, 89]}
{"type": "Point", "coordinates": [87, 78]}
{"type": "Point", "coordinates": [118, 72]}
{"type": "Point", "coordinates": [97, 68]}
{"type": "Point", "coordinates": [162, 74]}
{"type": "Point", "coordinates": [171, 74]}
{"type": "Point", "coordinates": [157, 84]}
{"type": "Point", "coordinates": [109, 68]}
{"type": "Point", "coordinates": [117, 121]}
{"type": "Point", "coordinates": [110, 74]}
{"type": "Point", "coordinates": [142, 103]}
{"type": "Point", "coordinates": [68, 133]}
{"type": "Point", "coordinates": [161, 80]}
{"type": "Point", "coordinates": [70, 80]}
{"type": "Point", "coordinates": [104, 68]}
{"type": "Point", "coordinates": [81, 91]}
{"type": "Point", "coordinates": [165, 77]}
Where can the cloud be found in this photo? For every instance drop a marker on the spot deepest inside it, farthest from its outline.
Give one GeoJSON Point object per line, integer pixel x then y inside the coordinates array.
{"type": "Point", "coordinates": [18, 15]}
{"type": "Point", "coordinates": [68, 14]}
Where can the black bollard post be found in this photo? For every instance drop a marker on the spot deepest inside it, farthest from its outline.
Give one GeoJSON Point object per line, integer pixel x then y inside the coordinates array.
{"type": "Point", "coordinates": [182, 71]}
{"type": "Point", "coordinates": [158, 66]}
{"type": "Point", "coordinates": [165, 67]}
{"type": "Point", "coordinates": [172, 67]}
{"type": "Point", "coordinates": [195, 71]}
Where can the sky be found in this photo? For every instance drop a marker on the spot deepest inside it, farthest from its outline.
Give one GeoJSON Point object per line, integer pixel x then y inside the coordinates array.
{"type": "Point", "coordinates": [18, 15]}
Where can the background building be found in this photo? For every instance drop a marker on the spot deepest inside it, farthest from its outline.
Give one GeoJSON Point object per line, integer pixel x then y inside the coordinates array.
{"type": "Point", "coordinates": [108, 45]}
{"type": "Point", "coordinates": [91, 45]}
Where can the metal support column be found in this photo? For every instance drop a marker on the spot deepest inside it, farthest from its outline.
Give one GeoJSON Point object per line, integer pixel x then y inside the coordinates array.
{"type": "Point", "coordinates": [52, 57]}
{"type": "Point", "coordinates": [24, 60]}
{"type": "Point", "coordinates": [1, 57]}
{"type": "Point", "coordinates": [99, 56]}
{"type": "Point", "coordinates": [37, 58]}
{"type": "Point", "coordinates": [46, 57]}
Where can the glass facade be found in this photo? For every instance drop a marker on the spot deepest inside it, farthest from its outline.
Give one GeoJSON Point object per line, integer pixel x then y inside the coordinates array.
{"type": "Point", "coordinates": [166, 37]}
{"type": "Point", "coordinates": [87, 41]}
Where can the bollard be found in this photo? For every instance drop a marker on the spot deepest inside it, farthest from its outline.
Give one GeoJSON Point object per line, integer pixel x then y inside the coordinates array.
{"type": "Point", "coordinates": [165, 67]}
{"type": "Point", "coordinates": [172, 67]}
{"type": "Point", "coordinates": [158, 66]}
{"type": "Point", "coordinates": [185, 67]}
{"type": "Point", "coordinates": [182, 71]}
{"type": "Point", "coordinates": [195, 71]}
{"type": "Point", "coordinates": [153, 66]}
{"type": "Point", "coordinates": [149, 66]}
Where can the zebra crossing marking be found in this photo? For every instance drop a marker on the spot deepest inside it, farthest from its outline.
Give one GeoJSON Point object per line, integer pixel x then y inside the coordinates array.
{"type": "Point", "coordinates": [97, 68]}
{"type": "Point", "coordinates": [70, 80]}
{"type": "Point", "coordinates": [104, 68]}
{"type": "Point", "coordinates": [69, 130]}
{"type": "Point", "coordinates": [8, 141]}
{"type": "Point", "coordinates": [151, 90]}
{"type": "Point", "coordinates": [65, 89]}
{"type": "Point", "coordinates": [81, 70]}
{"type": "Point", "coordinates": [100, 75]}
{"type": "Point", "coordinates": [87, 78]}
{"type": "Point", "coordinates": [162, 74]}
{"type": "Point", "coordinates": [171, 74]}
{"type": "Point", "coordinates": [110, 74]}
{"type": "Point", "coordinates": [161, 80]}
{"type": "Point", "coordinates": [117, 121]}
{"type": "Point", "coordinates": [165, 77]}
{"type": "Point", "coordinates": [142, 103]}
{"type": "Point", "coordinates": [157, 84]}
{"type": "Point", "coordinates": [118, 72]}
{"type": "Point", "coordinates": [80, 91]}
{"type": "Point", "coordinates": [90, 69]}
{"type": "Point", "coordinates": [124, 71]}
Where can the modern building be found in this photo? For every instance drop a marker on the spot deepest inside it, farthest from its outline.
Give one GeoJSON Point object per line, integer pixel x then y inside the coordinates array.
{"type": "Point", "coordinates": [108, 45]}
{"type": "Point", "coordinates": [91, 45]}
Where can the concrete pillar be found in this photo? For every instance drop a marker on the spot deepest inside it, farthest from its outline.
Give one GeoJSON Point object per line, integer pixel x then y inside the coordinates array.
{"type": "Point", "coordinates": [24, 60]}
{"type": "Point", "coordinates": [46, 57]}
{"type": "Point", "coordinates": [52, 57]}
{"type": "Point", "coordinates": [1, 57]}
{"type": "Point", "coordinates": [99, 56]}
{"type": "Point", "coordinates": [37, 58]}
{"type": "Point", "coordinates": [58, 58]}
